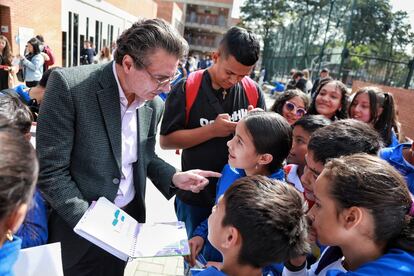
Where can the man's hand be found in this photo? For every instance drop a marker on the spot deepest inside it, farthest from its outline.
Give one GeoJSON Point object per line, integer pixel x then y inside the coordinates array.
{"type": "Point", "coordinates": [223, 126]}
{"type": "Point", "coordinates": [193, 180]}
{"type": "Point", "coordinates": [196, 244]}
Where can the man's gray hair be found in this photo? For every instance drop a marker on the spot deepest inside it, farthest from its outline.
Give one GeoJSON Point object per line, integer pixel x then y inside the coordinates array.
{"type": "Point", "coordinates": [145, 37]}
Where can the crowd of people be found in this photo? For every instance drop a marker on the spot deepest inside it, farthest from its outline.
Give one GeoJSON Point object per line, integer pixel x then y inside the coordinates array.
{"type": "Point", "coordinates": [321, 184]}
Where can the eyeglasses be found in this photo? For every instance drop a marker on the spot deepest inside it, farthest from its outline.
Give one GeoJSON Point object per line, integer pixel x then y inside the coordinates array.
{"type": "Point", "coordinates": [300, 112]}
{"type": "Point", "coordinates": [163, 81]}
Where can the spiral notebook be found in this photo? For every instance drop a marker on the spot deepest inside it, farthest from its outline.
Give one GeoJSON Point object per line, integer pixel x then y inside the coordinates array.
{"type": "Point", "coordinates": [109, 227]}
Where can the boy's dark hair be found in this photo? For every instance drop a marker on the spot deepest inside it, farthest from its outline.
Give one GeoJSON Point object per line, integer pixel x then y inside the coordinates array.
{"type": "Point", "coordinates": [310, 123]}
{"type": "Point", "coordinates": [385, 122]}
{"type": "Point", "coordinates": [270, 216]}
{"type": "Point", "coordinates": [340, 114]}
{"type": "Point", "coordinates": [271, 134]}
{"type": "Point", "coordinates": [344, 137]}
{"type": "Point", "coordinates": [369, 182]}
{"type": "Point", "coordinates": [298, 74]}
{"type": "Point", "coordinates": [15, 111]}
{"type": "Point", "coordinates": [286, 96]}
{"type": "Point", "coordinates": [146, 36]}
{"type": "Point", "coordinates": [45, 76]}
{"type": "Point", "coordinates": [18, 169]}
{"type": "Point", "coordinates": [241, 44]}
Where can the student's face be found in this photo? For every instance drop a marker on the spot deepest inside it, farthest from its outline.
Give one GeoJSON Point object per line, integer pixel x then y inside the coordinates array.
{"type": "Point", "coordinates": [360, 108]}
{"type": "Point", "coordinates": [299, 146]}
{"type": "Point", "coordinates": [242, 153]}
{"type": "Point", "coordinates": [215, 227]}
{"type": "Point", "coordinates": [324, 214]}
{"type": "Point", "coordinates": [293, 109]}
{"type": "Point", "coordinates": [311, 172]}
{"type": "Point", "coordinates": [228, 71]}
{"type": "Point", "coordinates": [149, 82]}
{"type": "Point", "coordinates": [328, 100]}
{"type": "Point", "coordinates": [2, 45]}
{"type": "Point", "coordinates": [29, 48]}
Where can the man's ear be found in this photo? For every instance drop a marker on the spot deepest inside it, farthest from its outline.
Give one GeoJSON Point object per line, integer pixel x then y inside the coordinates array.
{"type": "Point", "coordinates": [127, 63]}
{"type": "Point", "coordinates": [265, 159]}
{"type": "Point", "coordinates": [232, 237]}
{"type": "Point", "coordinates": [215, 56]}
{"type": "Point", "coordinates": [16, 218]}
{"type": "Point", "coordinates": [352, 217]}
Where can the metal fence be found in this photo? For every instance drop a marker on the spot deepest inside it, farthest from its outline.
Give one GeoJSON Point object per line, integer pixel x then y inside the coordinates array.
{"type": "Point", "coordinates": [365, 68]}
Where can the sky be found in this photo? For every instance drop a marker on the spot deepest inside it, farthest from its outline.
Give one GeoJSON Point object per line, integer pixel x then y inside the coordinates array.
{"type": "Point", "coordinates": [405, 5]}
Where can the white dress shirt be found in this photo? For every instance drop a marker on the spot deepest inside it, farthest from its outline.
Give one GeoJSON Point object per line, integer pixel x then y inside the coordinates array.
{"type": "Point", "coordinates": [129, 135]}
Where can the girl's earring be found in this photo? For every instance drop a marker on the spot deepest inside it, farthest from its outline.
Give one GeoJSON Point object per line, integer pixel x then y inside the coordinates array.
{"type": "Point", "coordinates": [9, 235]}
{"type": "Point", "coordinates": [257, 166]}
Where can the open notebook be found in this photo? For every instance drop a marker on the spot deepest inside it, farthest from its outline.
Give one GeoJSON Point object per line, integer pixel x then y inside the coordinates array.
{"type": "Point", "coordinates": [110, 228]}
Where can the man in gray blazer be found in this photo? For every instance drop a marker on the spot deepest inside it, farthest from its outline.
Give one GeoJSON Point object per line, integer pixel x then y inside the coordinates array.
{"type": "Point", "coordinates": [96, 137]}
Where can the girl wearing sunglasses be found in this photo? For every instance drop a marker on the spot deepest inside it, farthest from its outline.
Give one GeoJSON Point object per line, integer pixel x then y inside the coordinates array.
{"type": "Point", "coordinates": [291, 104]}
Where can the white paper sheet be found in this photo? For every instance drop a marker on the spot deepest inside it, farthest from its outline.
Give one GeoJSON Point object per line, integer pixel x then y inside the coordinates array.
{"type": "Point", "coordinates": [45, 260]}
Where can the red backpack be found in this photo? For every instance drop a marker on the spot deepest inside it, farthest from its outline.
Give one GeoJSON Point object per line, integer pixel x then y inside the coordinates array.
{"type": "Point", "coordinates": [193, 83]}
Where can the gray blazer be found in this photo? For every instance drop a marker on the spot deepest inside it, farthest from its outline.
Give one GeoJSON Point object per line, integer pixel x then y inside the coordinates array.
{"type": "Point", "coordinates": [79, 148]}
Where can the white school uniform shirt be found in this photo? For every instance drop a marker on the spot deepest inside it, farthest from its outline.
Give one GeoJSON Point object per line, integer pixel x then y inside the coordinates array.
{"type": "Point", "coordinates": [293, 178]}
{"type": "Point", "coordinates": [311, 271]}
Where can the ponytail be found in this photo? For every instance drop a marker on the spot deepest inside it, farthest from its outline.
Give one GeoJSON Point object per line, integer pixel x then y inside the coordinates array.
{"type": "Point", "coordinates": [405, 240]}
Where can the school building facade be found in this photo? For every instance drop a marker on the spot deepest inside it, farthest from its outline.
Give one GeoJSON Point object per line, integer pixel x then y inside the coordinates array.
{"type": "Point", "coordinates": [66, 24]}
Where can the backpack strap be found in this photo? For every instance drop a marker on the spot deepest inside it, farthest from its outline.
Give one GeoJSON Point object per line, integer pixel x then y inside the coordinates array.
{"type": "Point", "coordinates": [251, 91]}
{"type": "Point", "coordinates": [192, 85]}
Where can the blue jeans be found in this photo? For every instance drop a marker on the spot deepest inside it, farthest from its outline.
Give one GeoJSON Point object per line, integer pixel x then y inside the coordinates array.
{"type": "Point", "coordinates": [191, 215]}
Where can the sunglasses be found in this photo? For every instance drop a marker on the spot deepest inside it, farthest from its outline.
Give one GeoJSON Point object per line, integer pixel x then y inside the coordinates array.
{"type": "Point", "coordinates": [300, 112]}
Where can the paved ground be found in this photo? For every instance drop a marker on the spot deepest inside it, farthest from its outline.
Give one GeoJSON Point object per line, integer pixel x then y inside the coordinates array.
{"type": "Point", "coordinates": [161, 210]}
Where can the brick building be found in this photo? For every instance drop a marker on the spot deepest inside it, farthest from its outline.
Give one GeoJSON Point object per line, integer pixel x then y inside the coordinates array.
{"type": "Point", "coordinates": [203, 22]}
{"type": "Point", "coordinates": [65, 24]}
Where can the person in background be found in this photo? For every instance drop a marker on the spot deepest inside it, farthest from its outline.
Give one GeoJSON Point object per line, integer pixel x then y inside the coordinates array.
{"type": "Point", "coordinates": [291, 83]}
{"type": "Point", "coordinates": [306, 76]}
{"type": "Point", "coordinates": [291, 104]}
{"type": "Point", "coordinates": [377, 108]}
{"type": "Point", "coordinates": [87, 53]}
{"type": "Point", "coordinates": [322, 75]}
{"type": "Point", "coordinates": [258, 221]}
{"type": "Point", "coordinates": [18, 174]}
{"type": "Point", "coordinates": [104, 56]}
{"type": "Point", "coordinates": [300, 81]}
{"type": "Point", "coordinates": [32, 63]}
{"type": "Point", "coordinates": [33, 96]}
{"type": "Point", "coordinates": [49, 58]}
{"type": "Point", "coordinates": [7, 70]}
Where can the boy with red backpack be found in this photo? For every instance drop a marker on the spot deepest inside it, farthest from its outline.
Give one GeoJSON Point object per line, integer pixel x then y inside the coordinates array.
{"type": "Point", "coordinates": [201, 114]}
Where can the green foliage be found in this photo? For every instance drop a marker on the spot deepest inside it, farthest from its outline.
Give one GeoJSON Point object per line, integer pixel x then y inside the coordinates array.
{"type": "Point", "coordinates": [294, 32]}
